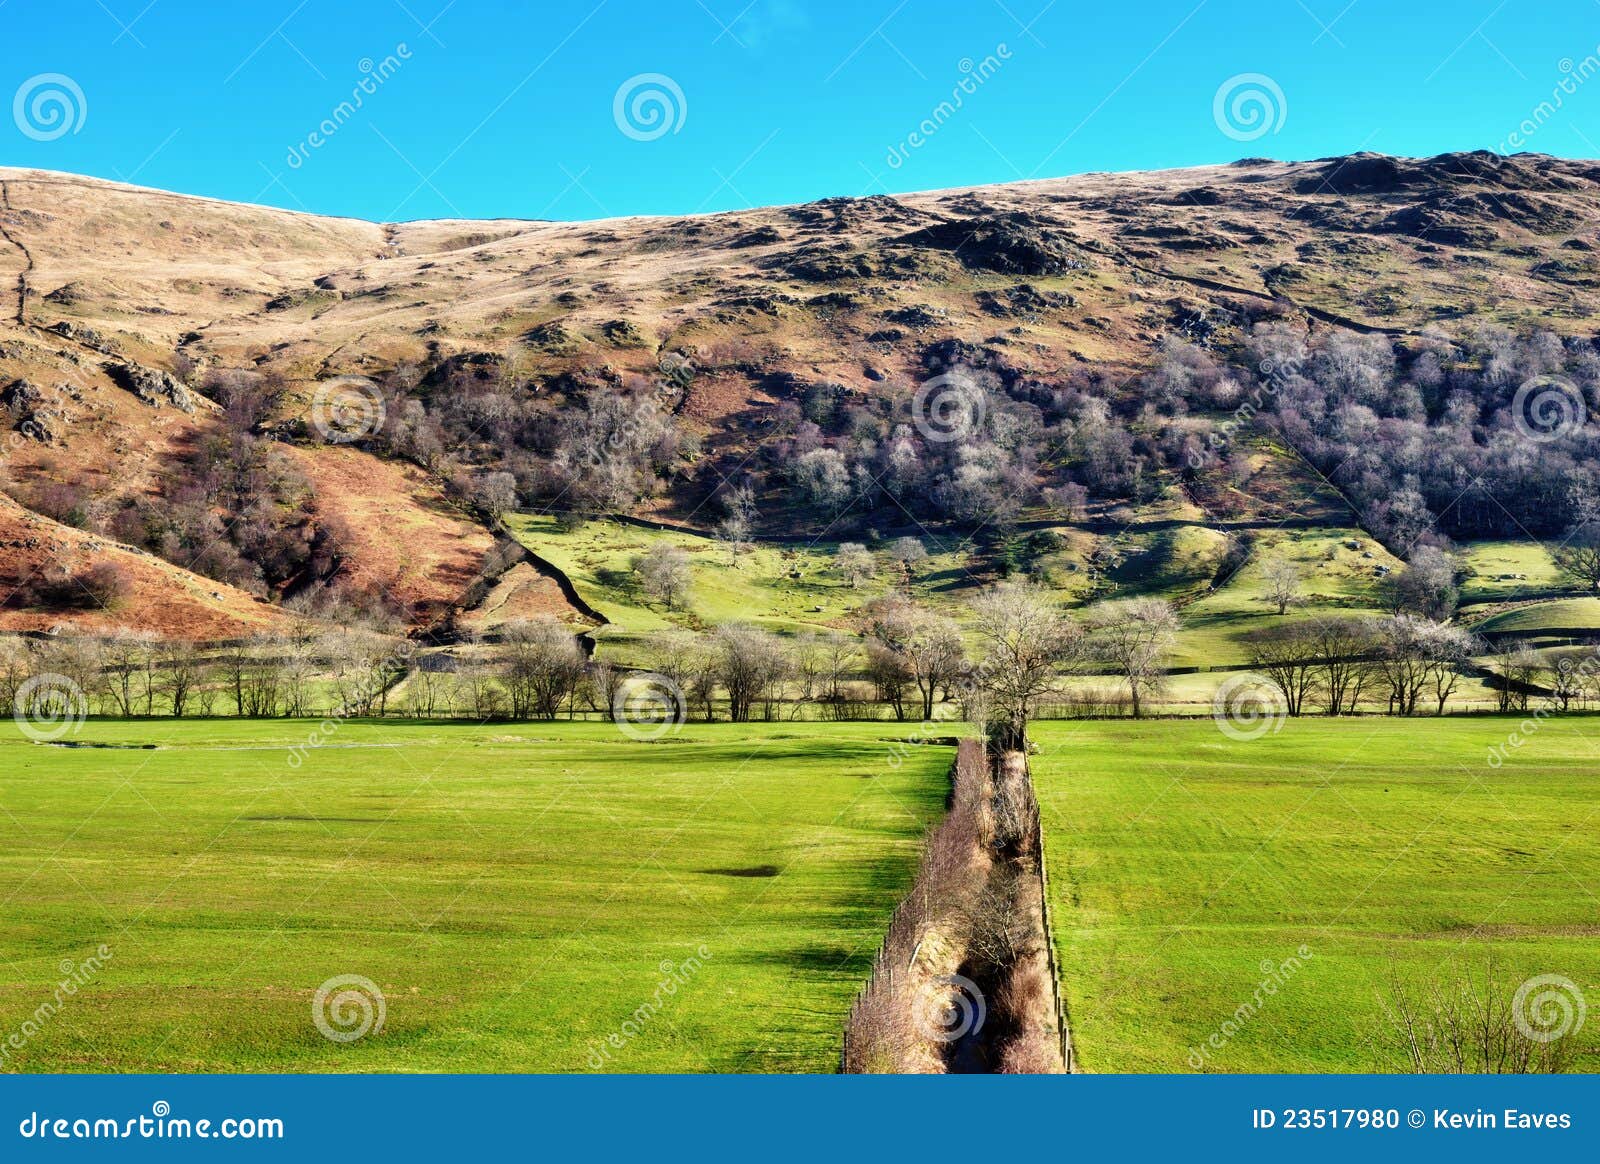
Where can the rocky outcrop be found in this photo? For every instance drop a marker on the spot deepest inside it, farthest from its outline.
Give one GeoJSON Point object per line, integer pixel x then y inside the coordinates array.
{"type": "Point", "coordinates": [1023, 301]}
{"type": "Point", "coordinates": [1013, 244]}
{"type": "Point", "coordinates": [30, 413]}
{"type": "Point", "coordinates": [151, 385]}
{"type": "Point", "coordinates": [83, 336]}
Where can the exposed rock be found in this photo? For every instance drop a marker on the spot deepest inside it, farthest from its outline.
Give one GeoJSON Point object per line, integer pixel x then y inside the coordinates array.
{"type": "Point", "coordinates": [151, 385]}
{"type": "Point", "coordinates": [482, 366]}
{"type": "Point", "coordinates": [21, 396]}
{"type": "Point", "coordinates": [917, 316]}
{"type": "Point", "coordinates": [1011, 243]}
{"type": "Point", "coordinates": [1180, 238]}
{"type": "Point", "coordinates": [1430, 221]}
{"type": "Point", "coordinates": [1581, 271]}
{"type": "Point", "coordinates": [551, 337]}
{"type": "Point", "coordinates": [839, 214]}
{"type": "Point", "coordinates": [24, 400]}
{"type": "Point", "coordinates": [624, 333]}
{"type": "Point", "coordinates": [301, 297]}
{"type": "Point", "coordinates": [69, 295]}
{"type": "Point", "coordinates": [1024, 300]}
{"type": "Point", "coordinates": [86, 336]}
{"type": "Point", "coordinates": [761, 236]}
{"type": "Point", "coordinates": [832, 264]}
{"type": "Point", "coordinates": [1379, 174]}
{"type": "Point", "coordinates": [771, 303]}
{"type": "Point", "coordinates": [1361, 174]}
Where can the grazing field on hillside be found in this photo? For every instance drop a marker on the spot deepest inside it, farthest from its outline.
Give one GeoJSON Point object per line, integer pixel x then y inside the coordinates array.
{"type": "Point", "coordinates": [1187, 868]}
{"type": "Point", "coordinates": [1538, 619]}
{"type": "Point", "coordinates": [783, 587]}
{"type": "Point", "coordinates": [517, 893]}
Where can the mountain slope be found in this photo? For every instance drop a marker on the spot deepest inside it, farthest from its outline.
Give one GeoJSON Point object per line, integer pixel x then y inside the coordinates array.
{"type": "Point", "coordinates": [110, 288]}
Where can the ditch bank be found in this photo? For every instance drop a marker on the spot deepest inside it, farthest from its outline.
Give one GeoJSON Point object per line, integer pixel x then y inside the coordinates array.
{"type": "Point", "coordinates": [965, 981]}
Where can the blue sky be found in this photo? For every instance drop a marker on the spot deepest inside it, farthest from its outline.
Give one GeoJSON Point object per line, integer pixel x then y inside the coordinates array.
{"type": "Point", "coordinates": [476, 108]}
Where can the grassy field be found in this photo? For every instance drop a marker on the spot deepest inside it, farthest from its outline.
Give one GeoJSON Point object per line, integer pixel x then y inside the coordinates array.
{"type": "Point", "coordinates": [1500, 570]}
{"type": "Point", "coordinates": [1181, 860]}
{"type": "Point", "coordinates": [782, 587]}
{"type": "Point", "coordinates": [514, 891]}
{"type": "Point", "coordinates": [1546, 618]}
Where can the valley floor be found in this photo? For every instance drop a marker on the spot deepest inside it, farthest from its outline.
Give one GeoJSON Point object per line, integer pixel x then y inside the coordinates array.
{"type": "Point", "coordinates": [1253, 905]}
{"type": "Point", "coordinates": [558, 897]}
{"type": "Point", "coordinates": [525, 898]}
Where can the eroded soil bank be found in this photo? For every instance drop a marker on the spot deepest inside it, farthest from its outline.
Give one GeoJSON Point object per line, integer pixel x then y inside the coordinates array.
{"type": "Point", "coordinates": [965, 982]}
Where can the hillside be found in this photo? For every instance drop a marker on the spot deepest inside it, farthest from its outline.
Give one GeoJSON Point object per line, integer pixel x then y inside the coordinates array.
{"type": "Point", "coordinates": [164, 354]}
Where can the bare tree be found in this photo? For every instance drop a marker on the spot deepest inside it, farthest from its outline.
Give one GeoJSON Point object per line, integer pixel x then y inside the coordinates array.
{"type": "Point", "coordinates": [1517, 665]}
{"type": "Point", "coordinates": [855, 562]}
{"type": "Point", "coordinates": [1568, 681]}
{"type": "Point", "coordinates": [1578, 555]}
{"type": "Point", "coordinates": [1028, 641]}
{"type": "Point", "coordinates": [1466, 1026]}
{"type": "Point", "coordinates": [1136, 637]}
{"type": "Point", "coordinates": [841, 654]}
{"type": "Point", "coordinates": [907, 553]}
{"type": "Point", "coordinates": [182, 672]}
{"type": "Point", "coordinates": [129, 661]}
{"type": "Point", "coordinates": [1344, 649]}
{"type": "Point", "coordinates": [16, 665]}
{"type": "Point", "coordinates": [739, 519]}
{"type": "Point", "coordinates": [1447, 650]}
{"type": "Point", "coordinates": [677, 655]}
{"type": "Point", "coordinates": [1426, 586]}
{"type": "Point", "coordinates": [299, 669]}
{"type": "Point", "coordinates": [1417, 655]}
{"type": "Point", "coordinates": [1282, 578]}
{"type": "Point", "coordinates": [890, 674]}
{"type": "Point", "coordinates": [495, 494]}
{"type": "Point", "coordinates": [542, 665]}
{"type": "Point", "coordinates": [750, 664]}
{"type": "Point", "coordinates": [1288, 656]}
{"type": "Point", "coordinates": [663, 572]}
{"type": "Point", "coordinates": [928, 644]}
